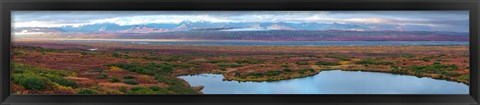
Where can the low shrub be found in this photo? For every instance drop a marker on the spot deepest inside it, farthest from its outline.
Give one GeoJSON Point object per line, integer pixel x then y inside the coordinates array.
{"type": "Point", "coordinates": [86, 91]}
{"type": "Point", "coordinates": [309, 69]}
{"type": "Point", "coordinates": [30, 82]}
{"type": "Point", "coordinates": [274, 73]}
{"type": "Point", "coordinates": [464, 77]}
{"type": "Point", "coordinates": [256, 74]}
{"type": "Point", "coordinates": [373, 62]}
{"type": "Point", "coordinates": [223, 69]}
{"type": "Point", "coordinates": [323, 63]}
{"type": "Point", "coordinates": [128, 77]}
{"type": "Point", "coordinates": [436, 67]}
{"type": "Point", "coordinates": [301, 71]}
{"type": "Point", "coordinates": [114, 79]}
{"type": "Point", "coordinates": [116, 55]}
{"type": "Point", "coordinates": [217, 61]}
{"type": "Point", "coordinates": [102, 76]}
{"type": "Point", "coordinates": [155, 88]}
{"type": "Point", "coordinates": [138, 88]}
{"type": "Point", "coordinates": [408, 55]}
{"type": "Point", "coordinates": [302, 63]}
{"type": "Point", "coordinates": [341, 57]}
{"type": "Point", "coordinates": [123, 89]}
{"type": "Point", "coordinates": [250, 61]}
{"type": "Point", "coordinates": [62, 81]}
{"type": "Point", "coordinates": [229, 65]}
{"type": "Point", "coordinates": [237, 74]}
{"type": "Point", "coordinates": [453, 74]}
{"type": "Point", "coordinates": [130, 82]}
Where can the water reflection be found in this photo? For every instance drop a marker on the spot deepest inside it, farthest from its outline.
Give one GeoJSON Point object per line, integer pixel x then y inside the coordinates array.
{"type": "Point", "coordinates": [331, 82]}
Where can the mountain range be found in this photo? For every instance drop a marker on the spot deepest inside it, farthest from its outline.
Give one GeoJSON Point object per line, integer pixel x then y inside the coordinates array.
{"type": "Point", "coordinates": [189, 25]}
{"type": "Point", "coordinates": [274, 31]}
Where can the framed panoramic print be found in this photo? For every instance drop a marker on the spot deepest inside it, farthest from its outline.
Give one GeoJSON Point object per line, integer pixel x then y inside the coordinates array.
{"type": "Point", "coordinates": [255, 52]}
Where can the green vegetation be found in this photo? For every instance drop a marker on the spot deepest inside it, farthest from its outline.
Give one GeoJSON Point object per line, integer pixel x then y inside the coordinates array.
{"type": "Point", "coordinates": [373, 62]}
{"type": "Point", "coordinates": [183, 65]}
{"type": "Point", "coordinates": [341, 57]}
{"type": "Point", "coordinates": [301, 71]}
{"type": "Point", "coordinates": [255, 74]}
{"type": "Point", "coordinates": [229, 65]}
{"type": "Point", "coordinates": [83, 53]}
{"type": "Point", "coordinates": [164, 58]}
{"type": "Point", "coordinates": [302, 63]}
{"type": "Point", "coordinates": [130, 82]}
{"type": "Point", "coordinates": [143, 90]}
{"type": "Point", "coordinates": [116, 55]}
{"type": "Point", "coordinates": [128, 77]}
{"type": "Point", "coordinates": [217, 61]}
{"type": "Point", "coordinates": [309, 69]}
{"type": "Point", "coordinates": [155, 88]}
{"type": "Point", "coordinates": [464, 77]}
{"type": "Point", "coordinates": [237, 74]}
{"type": "Point", "coordinates": [114, 79]}
{"type": "Point", "coordinates": [274, 73]}
{"type": "Point", "coordinates": [436, 67]}
{"type": "Point", "coordinates": [304, 70]}
{"type": "Point", "coordinates": [148, 69]}
{"type": "Point", "coordinates": [250, 61]}
{"type": "Point", "coordinates": [161, 72]}
{"type": "Point", "coordinates": [287, 70]}
{"type": "Point", "coordinates": [408, 55]}
{"type": "Point", "coordinates": [167, 66]}
{"type": "Point", "coordinates": [176, 85]}
{"type": "Point", "coordinates": [38, 78]}
{"type": "Point", "coordinates": [398, 70]}
{"type": "Point", "coordinates": [86, 91]}
{"type": "Point", "coordinates": [102, 76]}
{"type": "Point", "coordinates": [61, 81]}
{"type": "Point", "coordinates": [323, 63]}
{"type": "Point", "coordinates": [30, 82]}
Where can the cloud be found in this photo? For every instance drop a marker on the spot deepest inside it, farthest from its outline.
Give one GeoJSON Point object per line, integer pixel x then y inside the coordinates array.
{"type": "Point", "coordinates": [445, 19]}
{"type": "Point", "coordinates": [133, 20]}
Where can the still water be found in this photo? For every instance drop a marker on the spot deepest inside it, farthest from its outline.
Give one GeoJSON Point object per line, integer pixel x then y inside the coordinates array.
{"type": "Point", "coordinates": [331, 82]}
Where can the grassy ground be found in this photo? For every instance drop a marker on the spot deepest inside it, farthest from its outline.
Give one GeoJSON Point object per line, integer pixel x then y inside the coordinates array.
{"type": "Point", "coordinates": [120, 68]}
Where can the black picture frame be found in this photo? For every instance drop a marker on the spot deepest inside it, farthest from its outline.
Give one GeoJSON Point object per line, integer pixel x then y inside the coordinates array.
{"type": "Point", "coordinates": [146, 5]}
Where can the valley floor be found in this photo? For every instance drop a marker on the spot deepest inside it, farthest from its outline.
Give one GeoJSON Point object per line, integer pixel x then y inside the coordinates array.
{"type": "Point", "coordinates": [124, 68]}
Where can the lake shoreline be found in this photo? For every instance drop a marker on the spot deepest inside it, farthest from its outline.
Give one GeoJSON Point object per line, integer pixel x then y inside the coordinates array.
{"type": "Point", "coordinates": [213, 83]}
{"type": "Point", "coordinates": [341, 68]}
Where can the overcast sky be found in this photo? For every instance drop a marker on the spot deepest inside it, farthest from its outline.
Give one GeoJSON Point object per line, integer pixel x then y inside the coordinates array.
{"type": "Point", "coordinates": [447, 20]}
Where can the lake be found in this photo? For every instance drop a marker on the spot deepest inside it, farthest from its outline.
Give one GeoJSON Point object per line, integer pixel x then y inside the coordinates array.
{"type": "Point", "coordinates": [331, 82]}
{"type": "Point", "coordinates": [289, 43]}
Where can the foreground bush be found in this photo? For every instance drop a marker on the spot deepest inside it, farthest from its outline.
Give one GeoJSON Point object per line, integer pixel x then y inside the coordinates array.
{"type": "Point", "coordinates": [30, 82]}
{"type": "Point", "coordinates": [302, 63]}
{"type": "Point", "coordinates": [250, 61]}
{"type": "Point", "coordinates": [130, 82]}
{"type": "Point", "coordinates": [341, 57]}
{"type": "Point", "coordinates": [39, 78]}
{"type": "Point", "coordinates": [62, 81]}
{"type": "Point", "coordinates": [373, 62]}
{"type": "Point", "coordinates": [114, 79]}
{"type": "Point", "coordinates": [143, 90]}
{"type": "Point", "coordinates": [323, 63]}
{"type": "Point", "coordinates": [229, 65]}
{"type": "Point", "coordinates": [86, 91]}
